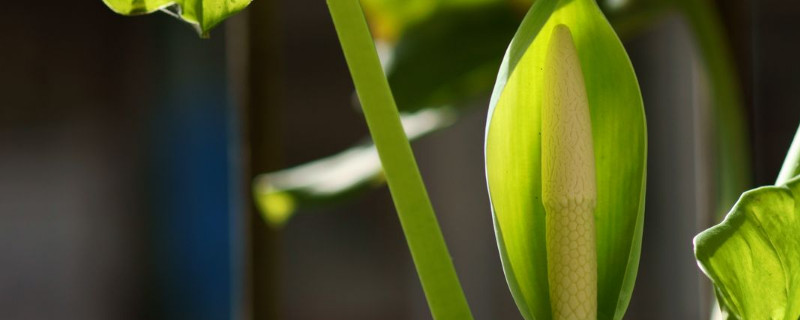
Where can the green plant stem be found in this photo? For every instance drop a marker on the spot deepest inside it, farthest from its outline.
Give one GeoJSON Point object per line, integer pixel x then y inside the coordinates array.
{"type": "Point", "coordinates": [791, 165]}
{"type": "Point", "coordinates": [428, 249]}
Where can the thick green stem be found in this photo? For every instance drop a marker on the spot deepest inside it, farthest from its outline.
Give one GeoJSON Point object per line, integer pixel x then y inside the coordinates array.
{"type": "Point", "coordinates": [428, 249]}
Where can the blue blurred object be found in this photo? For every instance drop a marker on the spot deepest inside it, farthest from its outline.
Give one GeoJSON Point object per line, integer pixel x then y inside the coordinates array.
{"type": "Point", "coordinates": [191, 180]}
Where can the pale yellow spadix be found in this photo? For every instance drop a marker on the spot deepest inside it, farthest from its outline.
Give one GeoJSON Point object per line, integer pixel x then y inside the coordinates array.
{"type": "Point", "coordinates": [568, 182]}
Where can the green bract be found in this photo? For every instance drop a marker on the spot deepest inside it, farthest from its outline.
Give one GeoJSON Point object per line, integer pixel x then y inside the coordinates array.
{"type": "Point", "coordinates": [202, 14]}
{"type": "Point", "coordinates": [752, 256]}
{"type": "Point", "coordinates": [514, 156]}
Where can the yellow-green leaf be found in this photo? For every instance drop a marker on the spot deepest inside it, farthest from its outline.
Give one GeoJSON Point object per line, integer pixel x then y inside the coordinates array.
{"type": "Point", "coordinates": [202, 14]}
{"type": "Point", "coordinates": [752, 256]}
{"type": "Point", "coordinates": [514, 156]}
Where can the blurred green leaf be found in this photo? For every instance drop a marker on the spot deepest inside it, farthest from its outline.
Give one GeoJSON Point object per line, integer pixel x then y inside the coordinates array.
{"type": "Point", "coordinates": [278, 194]}
{"type": "Point", "coordinates": [513, 161]}
{"type": "Point", "coordinates": [729, 122]}
{"type": "Point", "coordinates": [389, 18]}
{"type": "Point", "coordinates": [633, 17]}
{"type": "Point", "coordinates": [451, 57]}
{"type": "Point", "coordinates": [753, 256]}
{"type": "Point", "coordinates": [202, 14]}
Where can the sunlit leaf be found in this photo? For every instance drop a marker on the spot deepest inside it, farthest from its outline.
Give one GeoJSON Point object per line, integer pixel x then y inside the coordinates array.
{"type": "Point", "coordinates": [513, 156]}
{"type": "Point", "coordinates": [753, 256]}
{"type": "Point", "coordinates": [202, 14]}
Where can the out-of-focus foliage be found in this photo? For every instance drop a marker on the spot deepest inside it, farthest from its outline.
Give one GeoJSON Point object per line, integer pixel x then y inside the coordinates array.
{"type": "Point", "coordinates": [389, 18]}
{"type": "Point", "coordinates": [451, 57]}
{"type": "Point", "coordinates": [278, 194]}
{"type": "Point", "coordinates": [202, 14]}
{"type": "Point", "coordinates": [514, 158]}
{"type": "Point", "coordinates": [729, 123]}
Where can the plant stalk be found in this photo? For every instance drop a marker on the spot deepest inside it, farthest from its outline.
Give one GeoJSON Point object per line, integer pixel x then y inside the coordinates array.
{"type": "Point", "coordinates": [425, 241]}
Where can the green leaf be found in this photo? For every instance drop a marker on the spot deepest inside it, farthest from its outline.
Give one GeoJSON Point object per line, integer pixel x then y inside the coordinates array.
{"type": "Point", "coordinates": [513, 156]}
{"type": "Point", "coordinates": [414, 210]}
{"type": "Point", "coordinates": [753, 256]}
{"type": "Point", "coordinates": [202, 14]}
{"type": "Point", "coordinates": [720, 252]}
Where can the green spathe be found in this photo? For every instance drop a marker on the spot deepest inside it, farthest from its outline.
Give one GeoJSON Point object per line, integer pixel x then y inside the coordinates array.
{"type": "Point", "coordinates": [514, 156]}
{"type": "Point", "coordinates": [753, 256]}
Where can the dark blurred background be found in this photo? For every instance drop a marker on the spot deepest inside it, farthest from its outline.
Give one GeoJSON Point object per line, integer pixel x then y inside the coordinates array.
{"type": "Point", "coordinates": [127, 148]}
